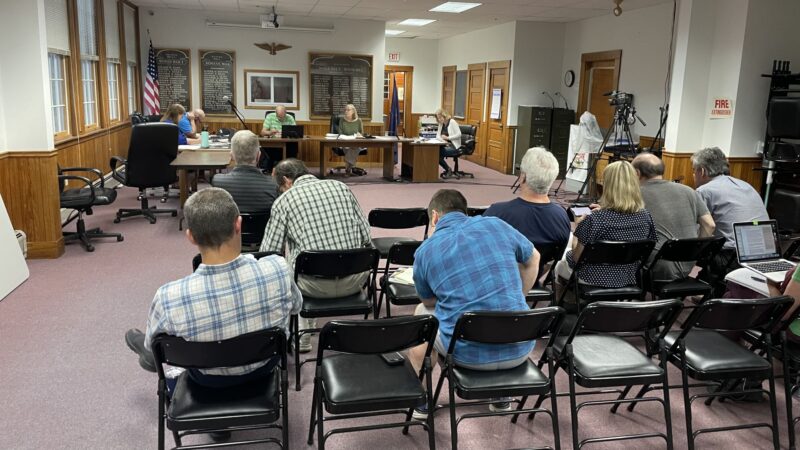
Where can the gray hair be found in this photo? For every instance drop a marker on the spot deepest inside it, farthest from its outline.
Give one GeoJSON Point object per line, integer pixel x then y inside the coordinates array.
{"type": "Point", "coordinates": [540, 168]}
{"type": "Point", "coordinates": [712, 160]}
{"type": "Point", "coordinates": [210, 216]}
{"type": "Point", "coordinates": [291, 168]}
{"type": "Point", "coordinates": [244, 147]}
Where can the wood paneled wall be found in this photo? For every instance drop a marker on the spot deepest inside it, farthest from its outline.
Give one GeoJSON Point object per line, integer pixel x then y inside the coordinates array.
{"type": "Point", "coordinates": [309, 151]}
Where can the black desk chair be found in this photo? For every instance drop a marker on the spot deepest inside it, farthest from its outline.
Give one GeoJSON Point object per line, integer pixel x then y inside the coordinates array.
{"type": "Point", "coordinates": [356, 382]}
{"type": "Point", "coordinates": [609, 253]}
{"type": "Point", "coordinates": [396, 219]}
{"type": "Point", "coordinates": [682, 250]}
{"type": "Point", "coordinates": [400, 255]}
{"type": "Point", "coordinates": [193, 408]}
{"type": "Point", "coordinates": [332, 264]}
{"type": "Point", "coordinates": [253, 227]}
{"type": "Point", "coordinates": [467, 148]}
{"type": "Point", "coordinates": [339, 151]}
{"type": "Point", "coordinates": [595, 357]}
{"type": "Point", "coordinates": [153, 147]}
{"type": "Point", "coordinates": [701, 352]}
{"type": "Point", "coordinates": [82, 200]}
{"type": "Point", "coordinates": [502, 327]}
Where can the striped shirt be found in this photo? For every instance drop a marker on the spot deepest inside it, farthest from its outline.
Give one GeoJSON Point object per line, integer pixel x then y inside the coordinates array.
{"type": "Point", "coordinates": [273, 123]}
{"type": "Point", "coordinates": [316, 215]}
{"type": "Point", "coordinates": [251, 190]}
{"type": "Point", "coordinates": [223, 301]}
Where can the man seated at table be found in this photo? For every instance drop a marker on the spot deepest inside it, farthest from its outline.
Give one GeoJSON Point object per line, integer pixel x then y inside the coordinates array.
{"type": "Point", "coordinates": [252, 191]}
{"type": "Point", "coordinates": [273, 124]}
{"type": "Point", "coordinates": [206, 306]}
{"type": "Point", "coordinates": [313, 214]}
{"type": "Point", "coordinates": [532, 213]}
{"type": "Point", "coordinates": [450, 274]}
{"type": "Point", "coordinates": [677, 211]}
{"type": "Point", "coordinates": [191, 123]}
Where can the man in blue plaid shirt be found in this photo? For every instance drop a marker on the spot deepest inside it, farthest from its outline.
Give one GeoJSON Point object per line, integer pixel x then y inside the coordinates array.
{"type": "Point", "coordinates": [472, 264]}
{"type": "Point", "coordinates": [230, 294]}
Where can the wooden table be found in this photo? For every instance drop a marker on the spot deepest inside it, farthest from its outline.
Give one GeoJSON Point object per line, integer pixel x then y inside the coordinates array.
{"type": "Point", "coordinates": [326, 145]}
{"type": "Point", "coordinates": [273, 142]}
{"type": "Point", "coordinates": [198, 160]}
{"type": "Point", "coordinates": [420, 161]}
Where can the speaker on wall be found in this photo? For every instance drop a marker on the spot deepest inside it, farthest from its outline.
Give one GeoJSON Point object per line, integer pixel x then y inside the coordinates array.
{"type": "Point", "coordinates": [784, 118]}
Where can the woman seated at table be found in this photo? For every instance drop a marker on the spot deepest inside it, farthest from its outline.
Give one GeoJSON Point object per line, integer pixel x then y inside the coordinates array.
{"type": "Point", "coordinates": [620, 216]}
{"type": "Point", "coordinates": [174, 114]}
{"type": "Point", "coordinates": [449, 132]}
{"type": "Point", "coordinates": [350, 125]}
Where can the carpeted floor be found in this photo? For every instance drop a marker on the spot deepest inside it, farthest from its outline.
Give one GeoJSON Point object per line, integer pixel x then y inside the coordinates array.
{"type": "Point", "coordinates": [67, 380]}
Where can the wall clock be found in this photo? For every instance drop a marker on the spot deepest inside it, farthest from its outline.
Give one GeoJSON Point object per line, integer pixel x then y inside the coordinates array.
{"type": "Point", "coordinates": [569, 78]}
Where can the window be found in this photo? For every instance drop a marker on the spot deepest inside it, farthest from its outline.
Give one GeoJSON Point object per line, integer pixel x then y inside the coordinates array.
{"type": "Point", "coordinates": [131, 88]}
{"type": "Point", "coordinates": [58, 93]}
{"type": "Point", "coordinates": [87, 33]}
{"type": "Point", "coordinates": [113, 91]}
{"type": "Point", "coordinates": [129, 25]}
{"type": "Point", "coordinates": [88, 76]}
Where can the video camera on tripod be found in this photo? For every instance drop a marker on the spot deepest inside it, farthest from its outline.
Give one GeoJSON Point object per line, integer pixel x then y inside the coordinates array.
{"type": "Point", "coordinates": [619, 99]}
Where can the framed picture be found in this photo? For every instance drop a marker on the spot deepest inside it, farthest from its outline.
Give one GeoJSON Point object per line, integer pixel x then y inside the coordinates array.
{"type": "Point", "coordinates": [266, 89]}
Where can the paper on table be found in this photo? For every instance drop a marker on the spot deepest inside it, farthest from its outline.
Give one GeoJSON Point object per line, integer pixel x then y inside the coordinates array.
{"type": "Point", "coordinates": [189, 147]}
{"type": "Point", "coordinates": [432, 141]}
{"type": "Point", "coordinates": [344, 137]}
{"type": "Point", "coordinates": [403, 276]}
{"type": "Point", "coordinates": [386, 138]}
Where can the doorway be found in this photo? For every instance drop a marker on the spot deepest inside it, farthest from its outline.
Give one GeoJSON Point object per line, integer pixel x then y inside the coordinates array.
{"type": "Point", "coordinates": [599, 76]}
{"type": "Point", "coordinates": [401, 77]}
{"type": "Point", "coordinates": [476, 85]}
{"type": "Point", "coordinates": [497, 152]}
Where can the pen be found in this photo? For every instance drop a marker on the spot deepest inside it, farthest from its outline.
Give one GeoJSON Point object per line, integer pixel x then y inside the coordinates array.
{"type": "Point", "coordinates": [759, 279]}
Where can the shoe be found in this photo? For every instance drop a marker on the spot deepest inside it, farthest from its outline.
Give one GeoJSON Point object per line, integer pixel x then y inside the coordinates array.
{"type": "Point", "coordinates": [448, 174]}
{"type": "Point", "coordinates": [220, 436]}
{"type": "Point", "coordinates": [501, 406]}
{"type": "Point", "coordinates": [420, 413]}
{"type": "Point", "coordinates": [305, 344]}
{"type": "Point", "coordinates": [134, 338]}
{"type": "Point", "coordinates": [359, 172]}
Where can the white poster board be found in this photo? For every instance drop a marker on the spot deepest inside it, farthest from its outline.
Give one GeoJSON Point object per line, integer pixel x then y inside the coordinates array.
{"type": "Point", "coordinates": [497, 96]}
{"type": "Point", "coordinates": [13, 268]}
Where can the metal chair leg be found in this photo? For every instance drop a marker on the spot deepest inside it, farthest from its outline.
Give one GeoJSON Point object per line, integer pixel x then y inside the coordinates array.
{"type": "Point", "coordinates": [314, 400]}
{"type": "Point", "coordinates": [621, 396]}
{"type": "Point", "coordinates": [687, 403]}
{"type": "Point", "coordinates": [666, 405]}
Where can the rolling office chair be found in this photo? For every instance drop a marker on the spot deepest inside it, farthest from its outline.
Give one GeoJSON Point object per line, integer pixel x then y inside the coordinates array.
{"type": "Point", "coordinates": [82, 199]}
{"type": "Point", "coordinates": [467, 148]}
{"type": "Point", "coordinates": [153, 147]}
{"type": "Point", "coordinates": [339, 151]}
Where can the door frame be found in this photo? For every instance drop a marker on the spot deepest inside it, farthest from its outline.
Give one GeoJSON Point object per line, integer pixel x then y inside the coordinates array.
{"type": "Point", "coordinates": [586, 60]}
{"type": "Point", "coordinates": [408, 92]}
{"type": "Point", "coordinates": [480, 124]}
{"type": "Point", "coordinates": [504, 103]}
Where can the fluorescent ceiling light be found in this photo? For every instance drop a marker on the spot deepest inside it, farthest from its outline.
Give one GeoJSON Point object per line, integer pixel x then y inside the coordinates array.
{"type": "Point", "coordinates": [394, 32]}
{"type": "Point", "coordinates": [454, 7]}
{"type": "Point", "coordinates": [416, 22]}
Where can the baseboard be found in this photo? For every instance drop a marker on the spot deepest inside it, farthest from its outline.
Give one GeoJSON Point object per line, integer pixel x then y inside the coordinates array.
{"type": "Point", "coordinates": [46, 249]}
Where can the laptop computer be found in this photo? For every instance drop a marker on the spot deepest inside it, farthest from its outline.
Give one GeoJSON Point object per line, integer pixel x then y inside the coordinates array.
{"type": "Point", "coordinates": [292, 131]}
{"type": "Point", "coordinates": [757, 249]}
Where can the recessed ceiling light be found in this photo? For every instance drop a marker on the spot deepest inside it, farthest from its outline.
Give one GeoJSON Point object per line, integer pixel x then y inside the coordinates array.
{"type": "Point", "coordinates": [454, 7]}
{"type": "Point", "coordinates": [416, 22]}
{"type": "Point", "coordinates": [394, 32]}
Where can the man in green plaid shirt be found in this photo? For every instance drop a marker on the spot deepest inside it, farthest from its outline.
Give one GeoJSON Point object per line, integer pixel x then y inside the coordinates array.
{"type": "Point", "coordinates": [273, 124]}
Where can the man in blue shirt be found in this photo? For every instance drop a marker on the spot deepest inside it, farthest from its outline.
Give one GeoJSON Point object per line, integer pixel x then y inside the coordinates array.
{"type": "Point", "coordinates": [472, 264]}
{"type": "Point", "coordinates": [191, 124]}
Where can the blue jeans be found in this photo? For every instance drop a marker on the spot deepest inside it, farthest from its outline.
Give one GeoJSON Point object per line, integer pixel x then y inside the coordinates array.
{"type": "Point", "coordinates": [446, 151]}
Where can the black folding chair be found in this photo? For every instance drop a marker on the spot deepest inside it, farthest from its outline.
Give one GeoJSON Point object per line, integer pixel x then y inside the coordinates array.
{"type": "Point", "coordinates": [609, 254]}
{"type": "Point", "coordinates": [677, 251]}
{"type": "Point", "coordinates": [253, 227]}
{"type": "Point", "coordinates": [400, 254]}
{"type": "Point", "coordinates": [198, 258]}
{"type": "Point", "coordinates": [396, 219]}
{"type": "Point", "coordinates": [549, 254]}
{"type": "Point", "coordinates": [595, 357]}
{"type": "Point", "coordinates": [333, 264]}
{"type": "Point", "coordinates": [498, 328]}
{"type": "Point", "coordinates": [474, 211]}
{"type": "Point", "coordinates": [193, 408]}
{"type": "Point", "coordinates": [701, 352]}
{"type": "Point", "coordinates": [356, 382]}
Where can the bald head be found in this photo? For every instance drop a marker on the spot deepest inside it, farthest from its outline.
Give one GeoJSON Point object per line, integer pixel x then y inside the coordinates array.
{"type": "Point", "coordinates": [648, 166]}
{"type": "Point", "coordinates": [280, 111]}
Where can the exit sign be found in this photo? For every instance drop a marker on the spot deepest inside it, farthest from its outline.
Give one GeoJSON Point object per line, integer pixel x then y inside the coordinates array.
{"type": "Point", "coordinates": [721, 108]}
{"type": "Point", "coordinates": [394, 56]}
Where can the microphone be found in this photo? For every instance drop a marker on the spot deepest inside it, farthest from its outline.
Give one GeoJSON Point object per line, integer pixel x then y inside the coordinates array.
{"type": "Point", "coordinates": [227, 99]}
{"type": "Point", "coordinates": [566, 105]}
{"type": "Point", "coordinates": [553, 102]}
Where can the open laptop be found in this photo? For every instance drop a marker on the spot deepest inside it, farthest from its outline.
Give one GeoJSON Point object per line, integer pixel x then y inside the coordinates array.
{"type": "Point", "coordinates": [758, 250]}
{"type": "Point", "coordinates": [292, 131]}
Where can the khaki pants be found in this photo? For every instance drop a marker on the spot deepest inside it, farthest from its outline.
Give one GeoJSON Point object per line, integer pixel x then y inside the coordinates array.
{"type": "Point", "coordinates": [328, 288]}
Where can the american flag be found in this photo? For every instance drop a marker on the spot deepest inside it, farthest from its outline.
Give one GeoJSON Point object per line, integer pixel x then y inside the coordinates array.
{"type": "Point", "coordinates": [151, 102]}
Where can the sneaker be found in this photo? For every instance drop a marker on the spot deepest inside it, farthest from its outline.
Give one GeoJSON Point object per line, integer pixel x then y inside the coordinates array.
{"type": "Point", "coordinates": [500, 406]}
{"type": "Point", "coordinates": [305, 343]}
{"type": "Point", "coordinates": [134, 338]}
{"type": "Point", "coordinates": [420, 413]}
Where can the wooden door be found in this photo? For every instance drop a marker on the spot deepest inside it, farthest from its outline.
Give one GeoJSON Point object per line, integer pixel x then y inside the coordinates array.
{"type": "Point", "coordinates": [476, 87]}
{"type": "Point", "coordinates": [448, 88]}
{"type": "Point", "coordinates": [498, 154]}
{"type": "Point", "coordinates": [599, 75]}
{"type": "Point", "coordinates": [402, 76]}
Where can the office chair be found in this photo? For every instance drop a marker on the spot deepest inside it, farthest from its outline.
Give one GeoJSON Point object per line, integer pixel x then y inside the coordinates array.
{"type": "Point", "coordinates": [339, 151]}
{"type": "Point", "coordinates": [82, 200]}
{"type": "Point", "coordinates": [467, 148]}
{"type": "Point", "coordinates": [153, 147]}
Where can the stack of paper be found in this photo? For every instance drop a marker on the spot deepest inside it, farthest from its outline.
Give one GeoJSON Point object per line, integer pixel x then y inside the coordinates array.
{"type": "Point", "coordinates": [403, 276]}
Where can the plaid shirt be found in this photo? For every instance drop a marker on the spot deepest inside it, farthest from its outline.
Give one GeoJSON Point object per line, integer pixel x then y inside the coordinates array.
{"type": "Point", "coordinates": [315, 215]}
{"type": "Point", "coordinates": [224, 301]}
{"type": "Point", "coordinates": [273, 123]}
{"type": "Point", "coordinates": [470, 264]}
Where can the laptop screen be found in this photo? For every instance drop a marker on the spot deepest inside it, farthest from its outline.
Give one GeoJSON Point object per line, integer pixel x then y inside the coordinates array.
{"type": "Point", "coordinates": [756, 241]}
{"type": "Point", "coordinates": [292, 131]}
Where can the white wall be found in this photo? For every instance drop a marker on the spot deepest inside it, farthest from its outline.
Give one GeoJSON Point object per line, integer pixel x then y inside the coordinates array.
{"type": "Point", "coordinates": [173, 28]}
{"type": "Point", "coordinates": [423, 55]}
{"type": "Point", "coordinates": [643, 35]}
{"type": "Point", "coordinates": [536, 66]}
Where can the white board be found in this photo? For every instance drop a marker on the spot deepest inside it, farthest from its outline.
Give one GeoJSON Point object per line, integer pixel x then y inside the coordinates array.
{"type": "Point", "coordinates": [13, 268]}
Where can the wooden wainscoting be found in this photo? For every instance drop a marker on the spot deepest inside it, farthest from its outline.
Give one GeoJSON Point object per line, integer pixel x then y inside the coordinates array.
{"type": "Point", "coordinates": [678, 166]}
{"type": "Point", "coordinates": [742, 168]}
{"type": "Point", "coordinates": [95, 150]}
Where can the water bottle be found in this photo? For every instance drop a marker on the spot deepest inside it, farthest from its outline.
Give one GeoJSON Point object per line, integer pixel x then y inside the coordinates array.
{"type": "Point", "coordinates": [204, 139]}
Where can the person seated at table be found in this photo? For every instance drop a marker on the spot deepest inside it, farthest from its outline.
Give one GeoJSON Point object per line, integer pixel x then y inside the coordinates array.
{"type": "Point", "coordinates": [173, 115]}
{"type": "Point", "coordinates": [191, 123]}
{"type": "Point", "coordinates": [273, 123]}
{"type": "Point", "coordinates": [450, 133]}
{"type": "Point", "coordinates": [350, 125]}
{"type": "Point", "coordinates": [252, 191]}
{"type": "Point", "coordinates": [620, 216]}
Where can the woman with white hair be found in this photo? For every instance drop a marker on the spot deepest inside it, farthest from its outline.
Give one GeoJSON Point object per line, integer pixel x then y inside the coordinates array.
{"type": "Point", "coordinates": [351, 125]}
{"type": "Point", "coordinates": [450, 133]}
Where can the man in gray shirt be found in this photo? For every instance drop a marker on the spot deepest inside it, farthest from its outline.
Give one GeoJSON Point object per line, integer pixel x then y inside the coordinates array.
{"type": "Point", "coordinates": [677, 211]}
{"type": "Point", "coordinates": [252, 191]}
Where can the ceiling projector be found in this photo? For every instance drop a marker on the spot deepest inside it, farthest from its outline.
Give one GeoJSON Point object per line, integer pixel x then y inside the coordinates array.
{"type": "Point", "coordinates": [271, 20]}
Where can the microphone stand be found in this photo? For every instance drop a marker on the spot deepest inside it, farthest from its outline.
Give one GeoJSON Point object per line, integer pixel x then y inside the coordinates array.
{"type": "Point", "coordinates": [238, 114]}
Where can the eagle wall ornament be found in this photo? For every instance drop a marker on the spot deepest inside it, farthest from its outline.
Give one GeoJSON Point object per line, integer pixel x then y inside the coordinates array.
{"type": "Point", "coordinates": [272, 48]}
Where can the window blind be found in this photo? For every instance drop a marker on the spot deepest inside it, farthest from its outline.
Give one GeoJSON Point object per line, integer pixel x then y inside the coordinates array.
{"type": "Point", "coordinates": [112, 30]}
{"type": "Point", "coordinates": [57, 26]}
{"type": "Point", "coordinates": [129, 16]}
{"type": "Point", "coordinates": [87, 31]}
